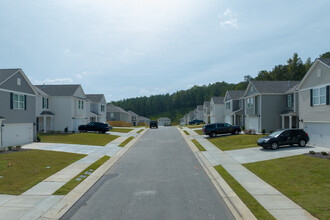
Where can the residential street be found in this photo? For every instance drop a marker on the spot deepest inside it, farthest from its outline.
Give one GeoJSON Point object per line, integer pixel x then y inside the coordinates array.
{"type": "Point", "coordinates": [158, 178]}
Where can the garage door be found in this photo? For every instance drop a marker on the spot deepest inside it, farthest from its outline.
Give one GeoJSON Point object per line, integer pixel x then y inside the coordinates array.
{"type": "Point", "coordinates": [17, 134]}
{"type": "Point", "coordinates": [318, 133]}
{"type": "Point", "coordinates": [252, 123]}
{"type": "Point", "coordinates": [77, 122]}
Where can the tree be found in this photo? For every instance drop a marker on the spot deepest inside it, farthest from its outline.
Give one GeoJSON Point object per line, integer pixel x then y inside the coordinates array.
{"type": "Point", "coordinates": [325, 55]}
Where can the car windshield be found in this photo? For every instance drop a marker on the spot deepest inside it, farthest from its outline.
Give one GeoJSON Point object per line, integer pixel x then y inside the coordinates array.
{"type": "Point", "coordinates": [275, 134]}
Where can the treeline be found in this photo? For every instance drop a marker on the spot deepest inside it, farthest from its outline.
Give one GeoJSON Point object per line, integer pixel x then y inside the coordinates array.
{"type": "Point", "coordinates": [177, 104]}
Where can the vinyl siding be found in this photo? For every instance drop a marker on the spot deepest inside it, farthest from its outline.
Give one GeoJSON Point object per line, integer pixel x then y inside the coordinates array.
{"type": "Point", "coordinates": [11, 84]}
{"type": "Point", "coordinates": [271, 108]}
{"type": "Point", "coordinates": [313, 80]}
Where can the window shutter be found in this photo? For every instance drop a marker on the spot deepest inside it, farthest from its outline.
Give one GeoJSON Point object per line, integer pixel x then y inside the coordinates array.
{"type": "Point", "coordinates": [24, 102]}
{"type": "Point", "coordinates": [286, 100]}
{"type": "Point", "coordinates": [11, 100]}
{"type": "Point", "coordinates": [311, 97]}
{"type": "Point", "coordinates": [43, 102]}
{"type": "Point", "coordinates": [47, 103]}
{"type": "Point", "coordinates": [327, 95]}
{"type": "Point", "coordinates": [292, 99]}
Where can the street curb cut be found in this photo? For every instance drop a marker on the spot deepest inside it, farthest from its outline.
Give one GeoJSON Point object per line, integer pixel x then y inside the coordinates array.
{"type": "Point", "coordinates": [60, 208]}
{"type": "Point", "coordinates": [238, 209]}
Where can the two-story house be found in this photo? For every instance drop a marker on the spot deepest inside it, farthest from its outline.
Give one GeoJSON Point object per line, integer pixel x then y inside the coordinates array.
{"type": "Point", "coordinates": [97, 107]}
{"type": "Point", "coordinates": [206, 112]}
{"type": "Point", "coordinates": [314, 102]}
{"type": "Point", "coordinates": [45, 117]}
{"type": "Point", "coordinates": [69, 105]}
{"type": "Point", "coordinates": [265, 101]}
{"type": "Point", "coordinates": [217, 110]}
{"type": "Point", "coordinates": [17, 108]}
{"type": "Point", "coordinates": [199, 113]}
{"type": "Point", "coordinates": [234, 107]}
{"type": "Point", "coordinates": [164, 121]}
{"type": "Point", "coordinates": [191, 116]}
{"type": "Point", "coordinates": [134, 118]}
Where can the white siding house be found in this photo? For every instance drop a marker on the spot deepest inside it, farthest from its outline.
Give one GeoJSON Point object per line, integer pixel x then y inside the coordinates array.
{"type": "Point", "coordinates": [164, 121]}
{"type": "Point", "coordinates": [217, 110]}
{"type": "Point", "coordinates": [97, 107]}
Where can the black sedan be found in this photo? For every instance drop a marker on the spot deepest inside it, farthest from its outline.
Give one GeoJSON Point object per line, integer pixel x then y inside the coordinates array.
{"type": "Point", "coordinates": [95, 126]}
{"type": "Point", "coordinates": [284, 137]}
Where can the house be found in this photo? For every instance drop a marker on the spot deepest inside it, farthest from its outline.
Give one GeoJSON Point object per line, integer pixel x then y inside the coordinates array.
{"type": "Point", "coordinates": [117, 116]}
{"type": "Point", "coordinates": [144, 121]}
{"type": "Point", "coordinates": [234, 107]}
{"type": "Point", "coordinates": [313, 99]}
{"type": "Point", "coordinates": [17, 108]}
{"type": "Point", "coordinates": [97, 104]}
{"type": "Point", "coordinates": [265, 102]}
{"type": "Point", "coordinates": [184, 120]}
{"type": "Point", "coordinates": [199, 113]}
{"type": "Point", "coordinates": [217, 110]}
{"type": "Point", "coordinates": [190, 116]}
{"type": "Point", "coordinates": [164, 121]}
{"type": "Point", "coordinates": [134, 118]}
{"type": "Point", "coordinates": [68, 103]}
{"type": "Point", "coordinates": [206, 112]}
{"type": "Point", "coordinates": [44, 115]}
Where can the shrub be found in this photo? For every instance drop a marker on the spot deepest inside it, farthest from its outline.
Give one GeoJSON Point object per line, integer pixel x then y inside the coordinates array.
{"type": "Point", "coordinates": [243, 128]}
{"type": "Point", "coordinates": [38, 138]}
{"type": "Point", "coordinates": [312, 152]}
{"type": "Point", "coordinates": [324, 153]}
{"type": "Point", "coordinates": [18, 147]}
{"type": "Point", "coordinates": [66, 130]}
{"type": "Point", "coordinates": [10, 148]}
{"type": "Point", "coordinates": [263, 131]}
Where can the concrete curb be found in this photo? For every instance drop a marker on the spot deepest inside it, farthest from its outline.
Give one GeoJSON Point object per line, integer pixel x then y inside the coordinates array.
{"type": "Point", "coordinates": [60, 208]}
{"type": "Point", "coordinates": [234, 203]}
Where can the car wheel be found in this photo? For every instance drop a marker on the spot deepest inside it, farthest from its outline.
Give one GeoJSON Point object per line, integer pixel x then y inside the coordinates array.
{"type": "Point", "coordinates": [213, 134]}
{"type": "Point", "coordinates": [236, 132]}
{"type": "Point", "coordinates": [302, 143]}
{"type": "Point", "coordinates": [274, 146]}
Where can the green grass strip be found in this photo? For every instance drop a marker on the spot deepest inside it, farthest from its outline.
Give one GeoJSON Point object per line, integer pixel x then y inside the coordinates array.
{"type": "Point", "coordinates": [122, 130]}
{"type": "Point", "coordinates": [123, 144]}
{"type": "Point", "coordinates": [198, 145]}
{"type": "Point", "coordinates": [259, 211]}
{"type": "Point", "coordinates": [139, 131]}
{"type": "Point", "coordinates": [74, 182]}
{"type": "Point", "coordinates": [199, 131]}
{"type": "Point", "coordinates": [186, 132]}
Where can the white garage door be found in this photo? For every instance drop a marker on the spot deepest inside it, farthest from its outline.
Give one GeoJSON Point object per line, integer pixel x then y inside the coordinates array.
{"type": "Point", "coordinates": [319, 134]}
{"type": "Point", "coordinates": [77, 122]}
{"type": "Point", "coordinates": [17, 134]}
{"type": "Point", "coordinates": [228, 119]}
{"type": "Point", "coordinates": [252, 123]}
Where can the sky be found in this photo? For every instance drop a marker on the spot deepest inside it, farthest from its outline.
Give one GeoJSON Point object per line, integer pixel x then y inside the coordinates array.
{"type": "Point", "coordinates": [130, 48]}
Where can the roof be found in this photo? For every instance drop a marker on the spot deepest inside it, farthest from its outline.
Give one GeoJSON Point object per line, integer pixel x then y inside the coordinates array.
{"type": "Point", "coordinates": [217, 100]}
{"type": "Point", "coordinates": [141, 118]}
{"type": "Point", "coordinates": [113, 108]}
{"type": "Point", "coordinates": [93, 114]}
{"type": "Point", "coordinates": [199, 107]}
{"type": "Point", "coordinates": [47, 113]}
{"type": "Point", "coordinates": [236, 94]}
{"type": "Point", "coordinates": [6, 73]}
{"type": "Point", "coordinates": [325, 60]}
{"type": "Point", "coordinates": [132, 113]}
{"type": "Point", "coordinates": [206, 103]}
{"type": "Point", "coordinates": [59, 90]}
{"type": "Point", "coordinates": [274, 86]}
{"type": "Point", "coordinates": [94, 97]}
{"type": "Point", "coordinates": [40, 92]}
{"type": "Point", "coordinates": [292, 90]}
{"type": "Point", "coordinates": [1, 117]}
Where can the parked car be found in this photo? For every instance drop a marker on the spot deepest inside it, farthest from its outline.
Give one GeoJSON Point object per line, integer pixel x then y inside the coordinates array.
{"type": "Point", "coordinates": [153, 124]}
{"type": "Point", "coordinates": [95, 126]}
{"type": "Point", "coordinates": [220, 128]}
{"type": "Point", "coordinates": [284, 137]}
{"type": "Point", "coordinates": [196, 122]}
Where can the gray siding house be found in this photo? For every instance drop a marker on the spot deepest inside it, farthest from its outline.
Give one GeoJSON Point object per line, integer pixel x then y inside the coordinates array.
{"type": "Point", "coordinates": [234, 107]}
{"type": "Point", "coordinates": [17, 108]}
{"type": "Point", "coordinates": [115, 113]}
{"type": "Point", "coordinates": [206, 112]}
{"type": "Point", "coordinates": [134, 118]}
{"type": "Point", "coordinates": [217, 110]}
{"type": "Point", "coordinates": [314, 99]}
{"type": "Point", "coordinates": [265, 101]}
{"type": "Point", "coordinates": [144, 120]}
{"type": "Point", "coordinates": [97, 103]}
{"type": "Point", "coordinates": [199, 113]}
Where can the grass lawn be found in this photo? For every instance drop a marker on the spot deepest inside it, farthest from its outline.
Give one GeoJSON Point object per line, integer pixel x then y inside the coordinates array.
{"type": "Point", "coordinates": [79, 138]}
{"type": "Point", "coordinates": [30, 167]}
{"type": "Point", "coordinates": [123, 144]}
{"type": "Point", "coordinates": [186, 132]}
{"type": "Point", "coordinates": [139, 131]}
{"type": "Point", "coordinates": [74, 182]}
{"type": "Point", "coordinates": [194, 126]}
{"type": "Point", "coordinates": [303, 179]}
{"type": "Point", "coordinates": [122, 130]}
{"type": "Point", "coordinates": [259, 211]}
{"type": "Point", "coordinates": [233, 142]}
{"type": "Point", "coordinates": [199, 131]}
{"type": "Point", "coordinates": [198, 145]}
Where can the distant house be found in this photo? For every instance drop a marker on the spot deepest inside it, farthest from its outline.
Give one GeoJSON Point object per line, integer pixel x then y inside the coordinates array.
{"type": "Point", "coordinates": [115, 113]}
{"type": "Point", "coordinates": [184, 120]}
{"type": "Point", "coordinates": [134, 118]}
{"type": "Point", "coordinates": [234, 107]}
{"type": "Point", "coordinates": [199, 113]}
{"type": "Point", "coordinates": [314, 100]}
{"type": "Point", "coordinates": [45, 117]}
{"type": "Point", "coordinates": [68, 104]}
{"type": "Point", "coordinates": [97, 104]}
{"type": "Point", "coordinates": [190, 116]}
{"type": "Point", "coordinates": [164, 121]}
{"type": "Point", "coordinates": [265, 102]}
{"type": "Point", "coordinates": [144, 120]}
{"type": "Point", "coordinates": [217, 110]}
{"type": "Point", "coordinates": [206, 112]}
{"type": "Point", "coordinates": [17, 108]}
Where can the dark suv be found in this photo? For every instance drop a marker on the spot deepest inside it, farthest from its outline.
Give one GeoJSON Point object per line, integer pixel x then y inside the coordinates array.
{"type": "Point", "coordinates": [95, 126]}
{"type": "Point", "coordinates": [284, 137]}
{"type": "Point", "coordinates": [153, 124]}
{"type": "Point", "coordinates": [220, 128]}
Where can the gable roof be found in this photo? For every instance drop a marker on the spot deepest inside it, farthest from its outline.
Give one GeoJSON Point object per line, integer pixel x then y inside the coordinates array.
{"type": "Point", "coordinates": [94, 97]}
{"type": "Point", "coordinates": [113, 108]}
{"type": "Point", "coordinates": [207, 104]}
{"type": "Point", "coordinates": [217, 100]}
{"type": "Point", "coordinates": [236, 94]}
{"type": "Point", "coordinates": [325, 60]}
{"type": "Point", "coordinates": [40, 92]}
{"type": "Point", "coordinates": [277, 87]}
{"type": "Point", "coordinates": [59, 90]}
{"type": "Point", "coordinates": [132, 113]}
{"type": "Point", "coordinates": [141, 118]}
{"type": "Point", "coordinates": [7, 73]}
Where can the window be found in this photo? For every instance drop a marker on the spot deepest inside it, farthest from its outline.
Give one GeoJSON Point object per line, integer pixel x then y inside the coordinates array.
{"type": "Point", "coordinates": [250, 102]}
{"type": "Point", "coordinates": [102, 108]}
{"type": "Point", "coordinates": [82, 104]}
{"type": "Point", "coordinates": [319, 96]}
{"type": "Point", "coordinates": [227, 105]}
{"type": "Point", "coordinates": [44, 102]}
{"type": "Point", "coordinates": [18, 81]}
{"type": "Point", "coordinates": [79, 104]}
{"type": "Point", "coordinates": [290, 97]}
{"type": "Point", "coordinates": [18, 101]}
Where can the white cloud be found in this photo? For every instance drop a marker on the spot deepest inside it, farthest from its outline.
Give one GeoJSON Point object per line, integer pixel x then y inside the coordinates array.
{"type": "Point", "coordinates": [154, 91]}
{"type": "Point", "coordinates": [228, 19]}
{"type": "Point", "coordinates": [80, 75]}
{"type": "Point", "coordinates": [54, 81]}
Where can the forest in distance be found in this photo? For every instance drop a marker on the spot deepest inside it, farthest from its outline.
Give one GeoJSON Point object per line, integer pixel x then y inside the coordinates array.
{"type": "Point", "coordinates": [181, 102]}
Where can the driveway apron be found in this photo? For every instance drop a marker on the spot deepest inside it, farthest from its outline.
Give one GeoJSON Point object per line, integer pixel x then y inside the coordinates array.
{"type": "Point", "coordinates": [159, 178]}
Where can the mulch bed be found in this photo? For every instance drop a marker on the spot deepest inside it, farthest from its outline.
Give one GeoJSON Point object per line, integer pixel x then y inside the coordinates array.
{"type": "Point", "coordinates": [13, 151]}
{"type": "Point", "coordinates": [319, 155]}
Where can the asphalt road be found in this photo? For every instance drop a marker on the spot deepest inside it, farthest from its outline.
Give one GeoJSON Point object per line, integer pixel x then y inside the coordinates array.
{"type": "Point", "coordinates": [158, 178]}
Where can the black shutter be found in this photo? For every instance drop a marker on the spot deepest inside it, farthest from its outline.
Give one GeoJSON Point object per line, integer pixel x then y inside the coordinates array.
{"type": "Point", "coordinates": [43, 102]}
{"type": "Point", "coordinates": [311, 97]}
{"type": "Point", "coordinates": [11, 100]}
{"type": "Point", "coordinates": [24, 102]}
{"type": "Point", "coordinates": [327, 95]}
{"type": "Point", "coordinates": [292, 99]}
{"type": "Point", "coordinates": [286, 101]}
{"type": "Point", "coordinates": [47, 103]}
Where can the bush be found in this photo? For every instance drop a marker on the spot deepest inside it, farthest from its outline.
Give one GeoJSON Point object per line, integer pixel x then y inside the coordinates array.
{"type": "Point", "coordinates": [38, 138]}
{"type": "Point", "coordinates": [312, 152]}
{"type": "Point", "coordinates": [18, 148]}
{"type": "Point", "coordinates": [243, 128]}
{"type": "Point", "coordinates": [10, 148]}
{"type": "Point", "coordinates": [324, 153]}
{"type": "Point", "coordinates": [66, 130]}
{"type": "Point", "coordinates": [263, 131]}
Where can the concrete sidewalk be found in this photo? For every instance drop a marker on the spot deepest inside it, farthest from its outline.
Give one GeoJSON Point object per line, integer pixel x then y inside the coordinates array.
{"type": "Point", "coordinates": [37, 200]}
{"type": "Point", "coordinates": [277, 204]}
